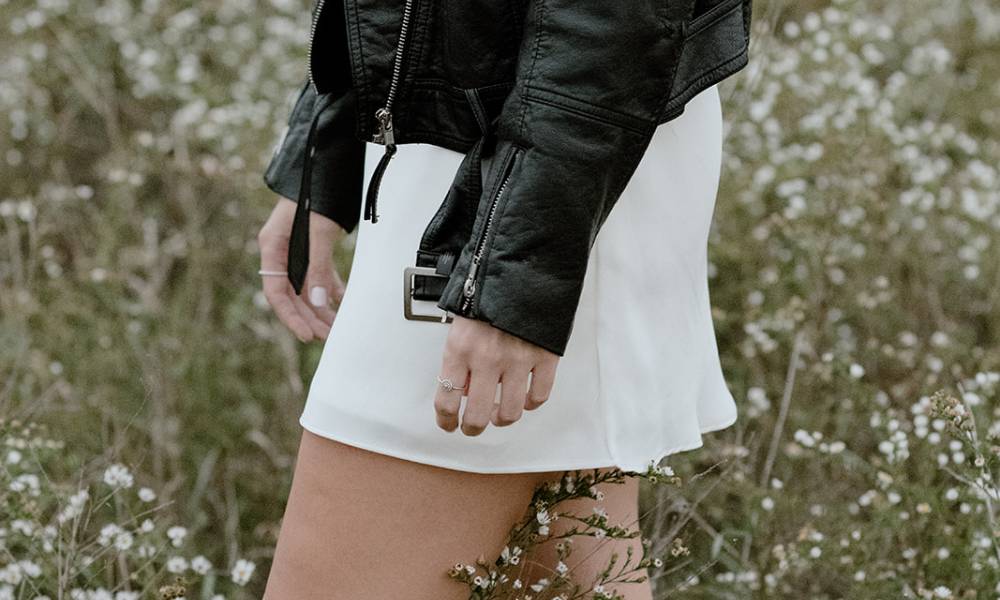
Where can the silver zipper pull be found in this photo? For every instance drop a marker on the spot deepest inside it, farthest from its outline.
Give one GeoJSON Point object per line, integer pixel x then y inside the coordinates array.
{"type": "Point", "coordinates": [385, 133]}
{"type": "Point", "coordinates": [469, 288]}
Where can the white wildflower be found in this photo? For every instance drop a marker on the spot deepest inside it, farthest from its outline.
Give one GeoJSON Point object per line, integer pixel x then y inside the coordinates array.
{"type": "Point", "coordinates": [242, 571]}
{"type": "Point", "coordinates": [177, 564]}
{"type": "Point", "coordinates": [146, 494]}
{"type": "Point", "coordinates": [177, 535]}
{"type": "Point", "coordinates": [118, 476]}
{"type": "Point", "coordinates": [200, 565]}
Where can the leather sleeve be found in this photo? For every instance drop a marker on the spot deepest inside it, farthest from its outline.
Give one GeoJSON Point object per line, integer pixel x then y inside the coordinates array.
{"type": "Point", "coordinates": [338, 162]}
{"type": "Point", "coordinates": [592, 77]}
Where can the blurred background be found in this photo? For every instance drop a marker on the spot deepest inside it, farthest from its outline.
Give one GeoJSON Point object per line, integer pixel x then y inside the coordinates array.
{"type": "Point", "coordinates": [149, 399]}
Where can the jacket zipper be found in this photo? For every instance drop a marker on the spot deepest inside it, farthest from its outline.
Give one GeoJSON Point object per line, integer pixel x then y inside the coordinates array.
{"type": "Point", "coordinates": [312, 36]}
{"type": "Point", "coordinates": [469, 287]}
{"type": "Point", "coordinates": [383, 115]}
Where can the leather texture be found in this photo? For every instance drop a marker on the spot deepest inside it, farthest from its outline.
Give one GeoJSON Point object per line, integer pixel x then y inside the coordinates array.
{"type": "Point", "coordinates": [553, 103]}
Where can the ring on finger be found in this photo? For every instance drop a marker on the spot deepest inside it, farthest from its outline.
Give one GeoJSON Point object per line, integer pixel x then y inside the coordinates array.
{"type": "Point", "coordinates": [448, 385]}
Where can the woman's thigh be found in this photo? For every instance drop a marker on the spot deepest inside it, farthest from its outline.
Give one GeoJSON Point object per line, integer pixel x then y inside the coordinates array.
{"type": "Point", "coordinates": [590, 556]}
{"type": "Point", "coordinates": [363, 525]}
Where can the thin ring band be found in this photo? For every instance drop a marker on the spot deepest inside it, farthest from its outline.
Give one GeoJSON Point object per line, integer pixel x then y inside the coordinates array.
{"type": "Point", "coordinates": [272, 273]}
{"type": "Point", "coordinates": [448, 385]}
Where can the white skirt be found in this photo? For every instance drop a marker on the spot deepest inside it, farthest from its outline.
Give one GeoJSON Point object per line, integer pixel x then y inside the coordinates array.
{"type": "Point", "coordinates": [640, 378]}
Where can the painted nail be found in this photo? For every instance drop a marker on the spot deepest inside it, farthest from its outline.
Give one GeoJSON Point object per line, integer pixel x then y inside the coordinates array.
{"type": "Point", "coordinates": [317, 295]}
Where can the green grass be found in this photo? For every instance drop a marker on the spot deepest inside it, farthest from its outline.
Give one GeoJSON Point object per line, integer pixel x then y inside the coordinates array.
{"type": "Point", "coordinates": [858, 214]}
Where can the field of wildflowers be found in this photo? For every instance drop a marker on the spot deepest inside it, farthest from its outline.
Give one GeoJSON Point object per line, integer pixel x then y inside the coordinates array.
{"type": "Point", "coordinates": [149, 399]}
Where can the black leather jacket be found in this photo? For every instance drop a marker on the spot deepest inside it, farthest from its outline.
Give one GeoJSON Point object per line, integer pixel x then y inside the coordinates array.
{"type": "Point", "coordinates": [553, 103]}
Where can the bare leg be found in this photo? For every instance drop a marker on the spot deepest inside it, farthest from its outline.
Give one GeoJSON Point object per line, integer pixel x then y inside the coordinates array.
{"type": "Point", "coordinates": [591, 556]}
{"type": "Point", "coordinates": [364, 526]}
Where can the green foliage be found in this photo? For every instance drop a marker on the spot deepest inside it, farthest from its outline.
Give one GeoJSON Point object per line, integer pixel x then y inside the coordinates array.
{"type": "Point", "coordinates": [854, 260]}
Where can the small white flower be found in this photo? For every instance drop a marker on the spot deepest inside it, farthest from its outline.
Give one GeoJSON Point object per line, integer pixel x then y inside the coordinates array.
{"type": "Point", "coordinates": [108, 534]}
{"type": "Point", "coordinates": [22, 526]}
{"type": "Point", "coordinates": [123, 541]}
{"type": "Point", "coordinates": [147, 525]}
{"type": "Point", "coordinates": [146, 494]}
{"type": "Point", "coordinates": [74, 508]}
{"type": "Point", "coordinates": [540, 585]}
{"type": "Point", "coordinates": [177, 535]}
{"type": "Point", "coordinates": [562, 568]}
{"type": "Point", "coordinates": [29, 568]}
{"type": "Point", "coordinates": [242, 571]}
{"type": "Point", "coordinates": [26, 482]}
{"type": "Point", "coordinates": [13, 457]}
{"type": "Point", "coordinates": [200, 565]}
{"type": "Point", "coordinates": [543, 530]}
{"type": "Point", "coordinates": [177, 564]}
{"type": "Point", "coordinates": [118, 476]}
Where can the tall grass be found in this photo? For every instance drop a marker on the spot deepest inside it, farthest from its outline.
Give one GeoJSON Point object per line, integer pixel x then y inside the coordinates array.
{"type": "Point", "coordinates": [854, 281]}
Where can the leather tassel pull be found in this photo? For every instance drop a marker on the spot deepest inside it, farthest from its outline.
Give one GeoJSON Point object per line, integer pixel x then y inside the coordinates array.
{"type": "Point", "coordinates": [371, 197]}
{"type": "Point", "coordinates": [298, 240]}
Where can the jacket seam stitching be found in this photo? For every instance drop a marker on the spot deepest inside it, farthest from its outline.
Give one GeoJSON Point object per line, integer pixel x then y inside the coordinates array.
{"type": "Point", "coordinates": [708, 75]}
{"type": "Point", "coordinates": [581, 109]}
{"type": "Point", "coordinates": [536, 43]}
{"type": "Point", "coordinates": [712, 19]}
{"type": "Point", "coordinates": [359, 71]}
{"type": "Point", "coordinates": [681, 42]}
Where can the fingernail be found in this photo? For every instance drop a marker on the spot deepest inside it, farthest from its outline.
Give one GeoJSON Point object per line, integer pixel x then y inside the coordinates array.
{"type": "Point", "coordinates": [317, 295]}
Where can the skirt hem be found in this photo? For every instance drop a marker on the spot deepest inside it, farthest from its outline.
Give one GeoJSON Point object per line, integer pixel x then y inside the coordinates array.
{"type": "Point", "coordinates": [455, 466]}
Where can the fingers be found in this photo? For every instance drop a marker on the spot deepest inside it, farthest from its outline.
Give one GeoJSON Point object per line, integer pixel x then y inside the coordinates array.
{"type": "Point", "coordinates": [482, 356]}
{"type": "Point", "coordinates": [322, 276]}
{"type": "Point", "coordinates": [513, 393]}
{"type": "Point", "coordinates": [448, 402]}
{"type": "Point", "coordinates": [317, 327]}
{"type": "Point", "coordinates": [543, 376]}
{"type": "Point", "coordinates": [279, 294]}
{"type": "Point", "coordinates": [482, 396]}
{"type": "Point", "coordinates": [308, 317]}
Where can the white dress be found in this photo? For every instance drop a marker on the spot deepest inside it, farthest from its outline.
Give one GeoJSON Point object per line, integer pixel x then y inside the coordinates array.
{"type": "Point", "coordinates": [640, 378]}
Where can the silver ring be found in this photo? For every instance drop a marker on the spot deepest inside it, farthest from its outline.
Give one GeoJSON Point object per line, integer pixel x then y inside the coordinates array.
{"type": "Point", "coordinates": [273, 273]}
{"type": "Point", "coordinates": [448, 385]}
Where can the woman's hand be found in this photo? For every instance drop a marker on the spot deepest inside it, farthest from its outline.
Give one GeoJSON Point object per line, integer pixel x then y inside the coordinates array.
{"type": "Point", "coordinates": [307, 320]}
{"type": "Point", "coordinates": [478, 356]}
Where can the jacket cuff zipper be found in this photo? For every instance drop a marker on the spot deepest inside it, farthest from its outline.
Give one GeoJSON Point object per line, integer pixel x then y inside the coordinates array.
{"type": "Point", "coordinates": [470, 286]}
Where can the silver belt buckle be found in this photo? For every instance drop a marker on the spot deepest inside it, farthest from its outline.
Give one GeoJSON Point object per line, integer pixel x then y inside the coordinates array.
{"type": "Point", "coordinates": [408, 273]}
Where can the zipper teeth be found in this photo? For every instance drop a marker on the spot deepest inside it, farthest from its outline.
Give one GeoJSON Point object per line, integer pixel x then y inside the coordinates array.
{"type": "Point", "coordinates": [481, 246]}
{"type": "Point", "coordinates": [312, 36]}
{"type": "Point", "coordinates": [398, 58]}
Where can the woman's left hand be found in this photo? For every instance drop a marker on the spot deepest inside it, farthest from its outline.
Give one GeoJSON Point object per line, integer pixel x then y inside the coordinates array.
{"type": "Point", "coordinates": [478, 356]}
